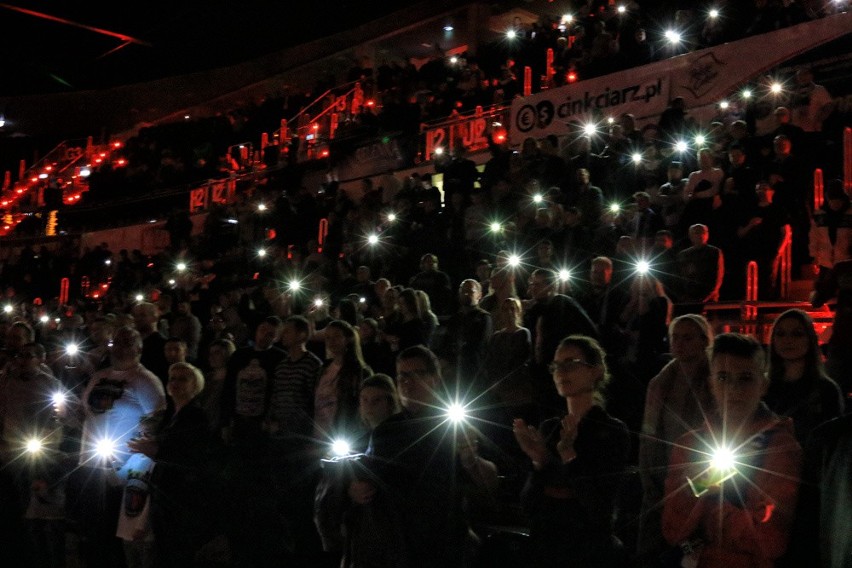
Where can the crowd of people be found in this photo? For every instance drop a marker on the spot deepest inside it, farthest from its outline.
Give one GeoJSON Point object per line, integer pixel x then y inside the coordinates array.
{"type": "Point", "coordinates": [377, 435]}
{"type": "Point", "coordinates": [511, 370]}
{"type": "Point", "coordinates": [597, 40]}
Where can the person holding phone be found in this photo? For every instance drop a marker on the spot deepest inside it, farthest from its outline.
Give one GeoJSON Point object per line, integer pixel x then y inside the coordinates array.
{"type": "Point", "coordinates": [732, 485]}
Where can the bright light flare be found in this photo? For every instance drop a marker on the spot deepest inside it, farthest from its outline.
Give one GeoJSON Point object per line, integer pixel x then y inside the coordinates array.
{"type": "Point", "coordinates": [44, 319]}
{"type": "Point", "coordinates": [776, 88]}
{"type": "Point", "coordinates": [724, 105]}
{"type": "Point", "coordinates": [538, 198]}
{"type": "Point", "coordinates": [621, 9]}
{"type": "Point", "coordinates": [496, 227]}
{"type": "Point", "coordinates": [319, 302]}
{"type": "Point", "coordinates": [8, 308]}
{"type": "Point", "coordinates": [439, 151]}
{"type": "Point", "coordinates": [72, 349]}
{"type": "Point", "coordinates": [34, 446]}
{"type": "Point", "coordinates": [456, 413]}
{"type": "Point", "coordinates": [723, 460]}
{"type": "Point", "coordinates": [700, 140]}
{"type": "Point", "coordinates": [713, 13]}
{"type": "Point", "coordinates": [261, 207]}
{"type": "Point", "coordinates": [181, 266]}
{"type": "Point", "coordinates": [105, 448]}
{"type": "Point", "coordinates": [564, 275]}
{"type": "Point", "coordinates": [590, 129]}
{"type": "Point", "coordinates": [294, 286]}
{"type": "Point", "coordinates": [261, 252]}
{"type": "Point", "coordinates": [373, 239]}
{"type": "Point", "coordinates": [681, 146]}
{"type": "Point", "coordinates": [614, 207]}
{"type": "Point", "coordinates": [511, 34]}
{"type": "Point", "coordinates": [391, 217]}
{"type": "Point", "coordinates": [746, 94]}
{"type": "Point", "coordinates": [514, 260]}
{"type": "Point", "coordinates": [673, 36]}
{"type": "Point", "coordinates": [341, 448]}
{"type": "Point", "coordinates": [58, 398]}
{"type": "Point", "coordinates": [636, 157]}
{"type": "Point", "coordinates": [643, 267]}
{"type": "Point", "coordinates": [139, 297]}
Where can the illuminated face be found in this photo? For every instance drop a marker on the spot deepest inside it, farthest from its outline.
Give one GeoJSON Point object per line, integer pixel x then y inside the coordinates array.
{"type": "Point", "coordinates": [686, 342]}
{"type": "Point", "coordinates": [790, 340]}
{"type": "Point", "coordinates": [181, 386]}
{"type": "Point", "coordinates": [738, 384]}
{"type": "Point", "coordinates": [572, 374]}
{"type": "Point", "coordinates": [698, 235]}
{"type": "Point", "coordinates": [374, 405]}
{"type": "Point", "coordinates": [469, 293]}
{"type": "Point", "coordinates": [416, 385]}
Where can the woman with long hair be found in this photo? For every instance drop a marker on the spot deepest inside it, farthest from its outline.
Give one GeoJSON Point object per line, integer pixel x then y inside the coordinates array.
{"type": "Point", "coordinates": [677, 401]}
{"type": "Point", "coordinates": [336, 394]}
{"type": "Point", "coordinates": [506, 358]}
{"type": "Point", "coordinates": [412, 330]}
{"type": "Point", "coordinates": [798, 384]}
{"type": "Point", "coordinates": [430, 319]}
{"type": "Point", "coordinates": [578, 465]}
{"type": "Point", "coordinates": [646, 319]}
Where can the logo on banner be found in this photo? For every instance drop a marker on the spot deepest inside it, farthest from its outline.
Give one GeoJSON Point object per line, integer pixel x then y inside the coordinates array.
{"type": "Point", "coordinates": [546, 111]}
{"type": "Point", "coordinates": [702, 74]}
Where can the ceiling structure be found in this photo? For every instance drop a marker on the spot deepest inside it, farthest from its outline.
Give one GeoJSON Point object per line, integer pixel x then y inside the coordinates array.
{"type": "Point", "coordinates": [58, 47]}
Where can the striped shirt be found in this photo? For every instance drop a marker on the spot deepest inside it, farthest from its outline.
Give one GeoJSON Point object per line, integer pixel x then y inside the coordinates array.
{"type": "Point", "coordinates": [291, 406]}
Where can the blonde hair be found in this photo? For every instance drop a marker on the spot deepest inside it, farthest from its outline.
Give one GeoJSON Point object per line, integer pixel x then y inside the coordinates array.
{"type": "Point", "coordinates": [192, 370]}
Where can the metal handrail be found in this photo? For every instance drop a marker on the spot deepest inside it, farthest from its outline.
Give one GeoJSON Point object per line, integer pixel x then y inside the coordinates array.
{"type": "Point", "coordinates": [322, 97]}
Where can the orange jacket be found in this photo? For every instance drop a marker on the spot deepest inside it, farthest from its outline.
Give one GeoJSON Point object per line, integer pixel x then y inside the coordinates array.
{"type": "Point", "coordinates": [747, 523]}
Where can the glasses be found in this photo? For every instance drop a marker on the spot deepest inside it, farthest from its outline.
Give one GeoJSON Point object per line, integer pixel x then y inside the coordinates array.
{"type": "Point", "coordinates": [567, 365]}
{"type": "Point", "coordinates": [406, 376]}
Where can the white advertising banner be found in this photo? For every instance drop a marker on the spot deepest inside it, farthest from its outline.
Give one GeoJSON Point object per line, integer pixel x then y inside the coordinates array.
{"type": "Point", "coordinates": [701, 77]}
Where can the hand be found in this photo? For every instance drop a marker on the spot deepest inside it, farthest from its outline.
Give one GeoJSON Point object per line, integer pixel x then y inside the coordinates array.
{"type": "Point", "coordinates": [567, 437]}
{"type": "Point", "coordinates": [530, 441]}
{"type": "Point", "coordinates": [362, 492]}
{"type": "Point", "coordinates": [144, 446]}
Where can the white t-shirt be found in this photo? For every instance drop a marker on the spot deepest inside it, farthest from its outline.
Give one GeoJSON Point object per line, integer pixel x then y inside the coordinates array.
{"type": "Point", "coordinates": [114, 401]}
{"type": "Point", "coordinates": [134, 517]}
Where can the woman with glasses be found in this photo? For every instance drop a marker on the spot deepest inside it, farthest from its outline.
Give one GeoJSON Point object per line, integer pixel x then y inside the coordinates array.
{"type": "Point", "coordinates": [578, 465]}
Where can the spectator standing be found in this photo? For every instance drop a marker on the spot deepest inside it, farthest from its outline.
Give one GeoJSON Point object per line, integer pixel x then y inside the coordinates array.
{"type": "Point", "coordinates": [145, 318]}
{"type": "Point", "coordinates": [412, 467]}
{"type": "Point", "coordinates": [572, 490]}
{"type": "Point", "coordinates": [676, 402]}
{"type": "Point", "coordinates": [742, 521]}
{"type": "Point", "coordinates": [799, 388]}
{"type": "Point", "coordinates": [701, 268]}
{"type": "Point", "coordinates": [114, 402]}
{"type": "Point", "coordinates": [466, 337]}
{"type": "Point", "coordinates": [293, 448]}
